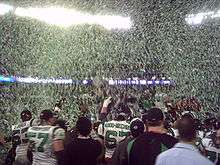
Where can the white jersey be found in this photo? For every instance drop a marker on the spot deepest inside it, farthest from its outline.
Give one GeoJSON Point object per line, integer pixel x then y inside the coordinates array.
{"type": "Point", "coordinates": [113, 132]}
{"type": "Point", "coordinates": [212, 152]}
{"type": "Point", "coordinates": [20, 131]}
{"type": "Point", "coordinates": [42, 137]}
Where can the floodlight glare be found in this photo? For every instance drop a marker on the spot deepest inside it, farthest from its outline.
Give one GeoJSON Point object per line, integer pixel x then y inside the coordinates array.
{"type": "Point", "coordinates": [196, 19]}
{"type": "Point", "coordinates": [68, 17]}
{"type": "Point", "coordinates": [4, 8]}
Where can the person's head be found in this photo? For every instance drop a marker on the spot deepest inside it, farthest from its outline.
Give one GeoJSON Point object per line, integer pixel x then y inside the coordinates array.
{"type": "Point", "coordinates": [84, 126]}
{"type": "Point", "coordinates": [136, 127]}
{"type": "Point", "coordinates": [187, 129]}
{"type": "Point", "coordinates": [62, 124]}
{"type": "Point", "coordinates": [25, 115]}
{"type": "Point", "coordinates": [47, 116]}
{"type": "Point", "coordinates": [121, 117]}
{"type": "Point", "coordinates": [153, 117]}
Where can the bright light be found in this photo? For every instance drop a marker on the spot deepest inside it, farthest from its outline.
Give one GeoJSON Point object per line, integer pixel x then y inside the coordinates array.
{"type": "Point", "coordinates": [67, 17]}
{"type": "Point", "coordinates": [196, 19]}
{"type": "Point", "coordinates": [7, 79]}
{"type": "Point", "coordinates": [216, 15]}
{"type": "Point", "coordinates": [36, 80]}
{"type": "Point", "coordinates": [4, 8]}
{"type": "Point", "coordinates": [43, 81]}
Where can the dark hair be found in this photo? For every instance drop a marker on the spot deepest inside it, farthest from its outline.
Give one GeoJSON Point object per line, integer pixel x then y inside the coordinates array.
{"type": "Point", "coordinates": [26, 115]}
{"type": "Point", "coordinates": [84, 126]}
{"type": "Point", "coordinates": [46, 114]}
{"type": "Point", "coordinates": [187, 129]}
{"type": "Point", "coordinates": [153, 117]}
{"type": "Point", "coordinates": [61, 123]}
{"type": "Point", "coordinates": [120, 117]}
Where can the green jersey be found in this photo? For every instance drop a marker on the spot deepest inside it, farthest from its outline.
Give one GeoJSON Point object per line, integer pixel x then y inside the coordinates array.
{"type": "Point", "coordinates": [113, 132]}
{"type": "Point", "coordinates": [41, 138]}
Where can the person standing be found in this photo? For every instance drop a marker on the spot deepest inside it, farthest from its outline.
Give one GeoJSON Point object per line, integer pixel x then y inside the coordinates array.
{"type": "Point", "coordinates": [23, 155]}
{"type": "Point", "coordinates": [82, 150]}
{"type": "Point", "coordinates": [212, 146]}
{"type": "Point", "coordinates": [148, 146]}
{"type": "Point", "coordinates": [184, 152]}
{"type": "Point", "coordinates": [46, 140]}
{"type": "Point", "coordinates": [119, 156]}
{"type": "Point", "coordinates": [113, 132]}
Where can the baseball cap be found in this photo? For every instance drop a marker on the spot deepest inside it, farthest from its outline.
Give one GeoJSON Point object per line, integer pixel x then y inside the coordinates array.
{"type": "Point", "coordinates": [136, 127]}
{"type": "Point", "coordinates": [46, 114]}
{"type": "Point", "coordinates": [153, 115]}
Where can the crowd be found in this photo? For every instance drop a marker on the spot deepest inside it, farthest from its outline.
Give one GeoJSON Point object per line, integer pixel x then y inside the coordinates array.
{"type": "Point", "coordinates": [119, 137]}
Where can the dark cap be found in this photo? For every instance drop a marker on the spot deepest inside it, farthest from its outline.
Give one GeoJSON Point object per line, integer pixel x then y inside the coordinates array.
{"type": "Point", "coordinates": [136, 127]}
{"type": "Point", "coordinates": [46, 114]}
{"type": "Point", "coordinates": [153, 115]}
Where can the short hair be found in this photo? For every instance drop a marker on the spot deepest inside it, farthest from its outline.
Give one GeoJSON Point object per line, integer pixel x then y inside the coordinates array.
{"type": "Point", "coordinates": [120, 117]}
{"type": "Point", "coordinates": [84, 126]}
{"type": "Point", "coordinates": [46, 115]}
{"type": "Point", "coordinates": [62, 124]}
{"type": "Point", "coordinates": [25, 115]}
{"type": "Point", "coordinates": [153, 117]}
{"type": "Point", "coordinates": [187, 129]}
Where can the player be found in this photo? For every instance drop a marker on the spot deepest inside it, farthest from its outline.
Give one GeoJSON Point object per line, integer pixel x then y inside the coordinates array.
{"type": "Point", "coordinates": [20, 140]}
{"type": "Point", "coordinates": [46, 140]}
{"type": "Point", "coordinates": [113, 132]}
{"type": "Point", "coordinates": [212, 146]}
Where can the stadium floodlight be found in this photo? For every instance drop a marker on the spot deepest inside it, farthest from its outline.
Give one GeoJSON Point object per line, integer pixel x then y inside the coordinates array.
{"type": "Point", "coordinates": [196, 19]}
{"type": "Point", "coordinates": [216, 15]}
{"type": "Point", "coordinates": [4, 8]}
{"type": "Point", "coordinates": [68, 17]}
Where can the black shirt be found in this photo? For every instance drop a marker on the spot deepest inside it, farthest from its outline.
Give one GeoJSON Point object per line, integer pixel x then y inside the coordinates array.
{"type": "Point", "coordinates": [82, 152]}
{"type": "Point", "coordinates": [148, 146]}
{"type": "Point", "coordinates": [119, 156]}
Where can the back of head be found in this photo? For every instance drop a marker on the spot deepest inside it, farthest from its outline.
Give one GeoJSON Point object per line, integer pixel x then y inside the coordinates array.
{"type": "Point", "coordinates": [46, 115]}
{"type": "Point", "coordinates": [136, 127]}
{"type": "Point", "coordinates": [121, 117]}
{"type": "Point", "coordinates": [62, 124]}
{"type": "Point", "coordinates": [187, 129]}
{"type": "Point", "coordinates": [84, 126]}
{"type": "Point", "coordinates": [153, 117]}
{"type": "Point", "coordinates": [25, 115]}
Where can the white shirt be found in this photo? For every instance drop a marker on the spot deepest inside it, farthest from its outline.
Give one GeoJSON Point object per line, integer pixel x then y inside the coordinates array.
{"type": "Point", "coordinates": [182, 154]}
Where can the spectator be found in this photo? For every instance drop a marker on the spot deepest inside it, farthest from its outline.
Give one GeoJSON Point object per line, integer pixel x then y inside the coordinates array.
{"type": "Point", "coordinates": [120, 154]}
{"type": "Point", "coordinates": [185, 151]}
{"type": "Point", "coordinates": [146, 147]}
{"type": "Point", "coordinates": [83, 150]}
